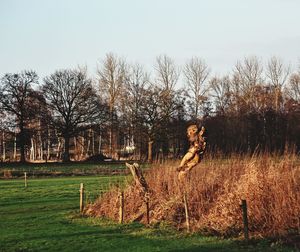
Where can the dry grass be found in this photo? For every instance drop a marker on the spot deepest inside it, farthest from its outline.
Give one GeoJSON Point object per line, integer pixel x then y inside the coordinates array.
{"type": "Point", "coordinates": [271, 186]}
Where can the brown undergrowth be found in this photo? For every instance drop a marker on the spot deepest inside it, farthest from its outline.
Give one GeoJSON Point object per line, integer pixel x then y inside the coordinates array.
{"type": "Point", "coordinates": [215, 188]}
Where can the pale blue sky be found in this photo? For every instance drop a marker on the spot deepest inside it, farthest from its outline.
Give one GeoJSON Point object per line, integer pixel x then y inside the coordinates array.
{"type": "Point", "coordinates": [46, 35]}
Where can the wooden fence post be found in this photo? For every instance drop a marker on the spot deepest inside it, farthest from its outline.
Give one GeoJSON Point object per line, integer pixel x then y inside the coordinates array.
{"type": "Point", "coordinates": [147, 212]}
{"type": "Point", "coordinates": [186, 207]}
{"type": "Point", "coordinates": [245, 219]}
{"type": "Point", "coordinates": [121, 209]}
{"type": "Point", "coordinates": [81, 203]}
{"type": "Point", "coordinates": [25, 179]}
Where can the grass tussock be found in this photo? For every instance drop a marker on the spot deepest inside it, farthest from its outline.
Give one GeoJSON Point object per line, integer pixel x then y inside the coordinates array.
{"type": "Point", "coordinates": [215, 188]}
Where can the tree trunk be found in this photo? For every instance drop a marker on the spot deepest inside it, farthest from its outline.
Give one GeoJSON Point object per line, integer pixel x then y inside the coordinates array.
{"type": "Point", "coordinates": [3, 147]}
{"type": "Point", "coordinates": [99, 146]}
{"type": "Point", "coordinates": [41, 147]}
{"type": "Point", "coordinates": [82, 148]}
{"type": "Point", "coordinates": [93, 142]}
{"type": "Point", "coordinates": [22, 143]}
{"type": "Point", "coordinates": [35, 148]}
{"type": "Point", "coordinates": [110, 130]}
{"type": "Point", "coordinates": [150, 144]}
{"type": "Point", "coordinates": [48, 145]}
{"type": "Point", "coordinates": [75, 149]}
{"type": "Point", "coordinates": [22, 148]}
{"type": "Point", "coordinates": [88, 143]}
{"type": "Point", "coordinates": [58, 148]}
{"type": "Point", "coordinates": [110, 142]}
{"type": "Point", "coordinates": [15, 147]}
{"type": "Point", "coordinates": [32, 154]}
{"type": "Point", "coordinates": [66, 157]}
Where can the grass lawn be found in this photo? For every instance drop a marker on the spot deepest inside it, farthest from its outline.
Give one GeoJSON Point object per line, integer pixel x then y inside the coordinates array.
{"type": "Point", "coordinates": [44, 217]}
{"type": "Point", "coordinates": [59, 168]}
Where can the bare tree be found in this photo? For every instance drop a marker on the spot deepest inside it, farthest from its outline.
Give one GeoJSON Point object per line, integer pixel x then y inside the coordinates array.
{"type": "Point", "coordinates": [73, 101]}
{"type": "Point", "coordinates": [236, 90]}
{"type": "Point", "coordinates": [249, 75]}
{"type": "Point", "coordinates": [293, 88]}
{"type": "Point", "coordinates": [135, 83]}
{"type": "Point", "coordinates": [111, 74]}
{"type": "Point", "coordinates": [167, 76]}
{"type": "Point", "coordinates": [249, 71]}
{"type": "Point", "coordinates": [196, 72]}
{"type": "Point", "coordinates": [151, 115]}
{"type": "Point", "coordinates": [277, 74]}
{"type": "Point", "coordinates": [221, 91]}
{"type": "Point", "coordinates": [17, 98]}
{"type": "Point", "coordinates": [167, 73]}
{"type": "Point", "coordinates": [132, 100]}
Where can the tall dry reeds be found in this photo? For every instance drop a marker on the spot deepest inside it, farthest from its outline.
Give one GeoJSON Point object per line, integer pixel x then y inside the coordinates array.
{"type": "Point", "coordinates": [215, 188]}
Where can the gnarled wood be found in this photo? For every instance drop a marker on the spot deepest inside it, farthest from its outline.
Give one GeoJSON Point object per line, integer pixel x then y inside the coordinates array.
{"type": "Point", "coordinates": [142, 187]}
{"type": "Point", "coordinates": [138, 177]}
{"type": "Point", "coordinates": [193, 156]}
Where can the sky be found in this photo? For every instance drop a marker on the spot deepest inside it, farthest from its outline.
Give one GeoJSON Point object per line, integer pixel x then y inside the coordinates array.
{"type": "Point", "coordinates": [47, 35]}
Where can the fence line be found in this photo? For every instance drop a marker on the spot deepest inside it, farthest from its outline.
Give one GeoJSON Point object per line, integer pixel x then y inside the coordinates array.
{"type": "Point", "coordinates": [186, 208]}
{"type": "Point", "coordinates": [81, 200]}
{"type": "Point", "coordinates": [245, 219]}
{"type": "Point", "coordinates": [121, 208]}
{"type": "Point", "coordinates": [25, 179]}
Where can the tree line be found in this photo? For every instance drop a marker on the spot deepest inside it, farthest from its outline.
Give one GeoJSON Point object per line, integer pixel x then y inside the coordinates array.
{"type": "Point", "coordinates": [127, 111]}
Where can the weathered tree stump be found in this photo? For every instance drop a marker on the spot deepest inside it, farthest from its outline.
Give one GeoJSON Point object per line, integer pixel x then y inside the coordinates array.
{"type": "Point", "coordinates": [142, 187]}
{"type": "Point", "coordinates": [138, 178]}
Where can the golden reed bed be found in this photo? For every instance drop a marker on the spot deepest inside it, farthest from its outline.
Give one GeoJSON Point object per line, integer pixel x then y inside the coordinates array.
{"type": "Point", "coordinates": [270, 184]}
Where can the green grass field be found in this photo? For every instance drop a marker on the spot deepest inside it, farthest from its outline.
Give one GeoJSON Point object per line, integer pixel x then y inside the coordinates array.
{"type": "Point", "coordinates": [61, 169]}
{"type": "Point", "coordinates": [44, 217]}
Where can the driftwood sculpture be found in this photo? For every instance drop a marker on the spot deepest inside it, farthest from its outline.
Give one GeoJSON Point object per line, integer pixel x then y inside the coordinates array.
{"type": "Point", "coordinates": [197, 148]}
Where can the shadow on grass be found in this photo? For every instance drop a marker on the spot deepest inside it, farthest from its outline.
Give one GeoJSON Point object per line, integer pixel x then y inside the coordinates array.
{"type": "Point", "coordinates": [116, 240]}
{"type": "Point", "coordinates": [61, 235]}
